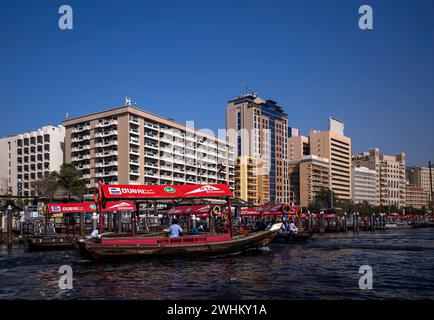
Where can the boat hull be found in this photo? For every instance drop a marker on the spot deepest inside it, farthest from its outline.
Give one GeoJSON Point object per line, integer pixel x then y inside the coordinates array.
{"type": "Point", "coordinates": [297, 238]}
{"type": "Point", "coordinates": [43, 243]}
{"type": "Point", "coordinates": [223, 246]}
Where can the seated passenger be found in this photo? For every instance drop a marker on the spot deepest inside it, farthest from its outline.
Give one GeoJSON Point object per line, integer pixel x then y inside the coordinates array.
{"type": "Point", "coordinates": [175, 230]}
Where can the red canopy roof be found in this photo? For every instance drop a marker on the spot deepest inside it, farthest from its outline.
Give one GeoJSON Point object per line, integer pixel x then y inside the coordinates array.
{"type": "Point", "coordinates": [196, 209]}
{"type": "Point", "coordinates": [111, 206]}
{"type": "Point", "coordinates": [165, 191]}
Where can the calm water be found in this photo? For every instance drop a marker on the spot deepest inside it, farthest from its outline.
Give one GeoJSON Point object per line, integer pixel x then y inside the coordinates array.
{"type": "Point", "coordinates": [325, 268]}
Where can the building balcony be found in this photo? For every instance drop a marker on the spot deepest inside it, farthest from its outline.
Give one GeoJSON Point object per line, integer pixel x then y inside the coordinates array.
{"type": "Point", "coordinates": [151, 145]}
{"type": "Point", "coordinates": [134, 162]}
{"type": "Point", "coordinates": [151, 165]}
{"type": "Point", "coordinates": [134, 141]}
{"type": "Point", "coordinates": [151, 174]}
{"type": "Point", "coordinates": [81, 148]}
{"type": "Point", "coordinates": [106, 164]}
{"type": "Point", "coordinates": [134, 120]}
{"type": "Point", "coordinates": [151, 155]}
{"type": "Point", "coordinates": [166, 149]}
{"type": "Point", "coordinates": [80, 139]}
{"type": "Point", "coordinates": [106, 123]}
{"type": "Point", "coordinates": [134, 131]}
{"type": "Point", "coordinates": [151, 136]}
{"type": "Point", "coordinates": [134, 172]}
{"type": "Point", "coordinates": [106, 133]}
{"type": "Point", "coordinates": [81, 158]}
{"type": "Point", "coordinates": [78, 129]}
{"type": "Point", "coordinates": [106, 144]}
{"type": "Point", "coordinates": [151, 125]}
{"type": "Point", "coordinates": [82, 166]}
{"type": "Point", "coordinates": [166, 140]}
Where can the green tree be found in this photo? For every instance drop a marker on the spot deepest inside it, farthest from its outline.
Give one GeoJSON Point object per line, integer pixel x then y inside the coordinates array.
{"type": "Point", "coordinates": [48, 184]}
{"type": "Point", "coordinates": [71, 180]}
{"type": "Point", "coordinates": [323, 200]}
{"type": "Point", "coordinates": [67, 177]}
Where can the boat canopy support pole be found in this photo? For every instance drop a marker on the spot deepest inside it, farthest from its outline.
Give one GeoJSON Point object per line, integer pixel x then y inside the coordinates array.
{"type": "Point", "coordinates": [231, 230]}
{"type": "Point", "coordinates": [101, 219]}
{"type": "Point", "coordinates": [134, 220]}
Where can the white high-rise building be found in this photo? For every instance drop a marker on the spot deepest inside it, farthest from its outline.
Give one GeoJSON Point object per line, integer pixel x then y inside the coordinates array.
{"type": "Point", "coordinates": [364, 185]}
{"type": "Point", "coordinates": [26, 158]}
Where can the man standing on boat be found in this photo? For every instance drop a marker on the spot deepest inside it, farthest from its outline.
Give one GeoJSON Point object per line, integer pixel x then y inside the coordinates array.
{"type": "Point", "coordinates": [175, 230]}
{"type": "Point", "coordinates": [292, 230]}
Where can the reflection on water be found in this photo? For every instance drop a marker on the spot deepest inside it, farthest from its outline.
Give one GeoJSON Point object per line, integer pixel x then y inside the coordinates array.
{"type": "Point", "coordinates": [325, 268]}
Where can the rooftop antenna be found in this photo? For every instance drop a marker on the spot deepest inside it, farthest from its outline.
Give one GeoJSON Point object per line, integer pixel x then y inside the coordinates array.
{"type": "Point", "coordinates": [127, 101]}
{"type": "Point", "coordinates": [248, 89]}
{"type": "Point", "coordinates": [67, 116]}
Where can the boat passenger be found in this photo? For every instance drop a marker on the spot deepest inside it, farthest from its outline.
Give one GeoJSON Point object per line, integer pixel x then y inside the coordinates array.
{"type": "Point", "coordinates": [195, 230]}
{"type": "Point", "coordinates": [292, 229]}
{"type": "Point", "coordinates": [175, 230]}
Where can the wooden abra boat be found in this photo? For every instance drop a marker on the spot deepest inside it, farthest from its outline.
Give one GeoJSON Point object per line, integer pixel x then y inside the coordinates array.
{"type": "Point", "coordinates": [299, 237]}
{"type": "Point", "coordinates": [50, 242]}
{"type": "Point", "coordinates": [217, 244]}
{"type": "Point", "coordinates": [117, 246]}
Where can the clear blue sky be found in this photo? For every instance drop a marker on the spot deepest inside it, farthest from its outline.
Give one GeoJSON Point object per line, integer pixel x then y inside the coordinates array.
{"type": "Point", "coordinates": [186, 59]}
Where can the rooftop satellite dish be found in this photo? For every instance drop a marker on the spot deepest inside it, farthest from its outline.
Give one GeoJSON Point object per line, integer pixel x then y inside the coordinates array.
{"type": "Point", "coordinates": [67, 115]}
{"type": "Point", "coordinates": [127, 101]}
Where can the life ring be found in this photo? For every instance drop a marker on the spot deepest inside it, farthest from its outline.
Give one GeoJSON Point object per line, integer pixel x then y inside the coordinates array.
{"type": "Point", "coordinates": [224, 216]}
{"type": "Point", "coordinates": [216, 210]}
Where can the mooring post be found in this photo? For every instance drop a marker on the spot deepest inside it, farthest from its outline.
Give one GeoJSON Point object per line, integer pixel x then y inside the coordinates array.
{"type": "Point", "coordinates": [309, 227]}
{"type": "Point", "coordinates": [9, 215]}
{"type": "Point", "coordinates": [357, 221]}
{"type": "Point", "coordinates": [81, 224]}
{"type": "Point", "coordinates": [94, 221]}
{"type": "Point", "coordinates": [321, 222]}
{"type": "Point", "coordinates": [345, 222]}
{"type": "Point", "coordinates": [1, 226]}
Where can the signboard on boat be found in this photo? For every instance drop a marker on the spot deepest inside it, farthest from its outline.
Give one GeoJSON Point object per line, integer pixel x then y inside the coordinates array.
{"type": "Point", "coordinates": [165, 191]}
{"type": "Point", "coordinates": [111, 206]}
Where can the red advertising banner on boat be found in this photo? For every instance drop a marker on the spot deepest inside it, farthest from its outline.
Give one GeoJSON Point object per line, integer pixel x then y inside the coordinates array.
{"type": "Point", "coordinates": [71, 207]}
{"type": "Point", "coordinates": [165, 191]}
{"type": "Point", "coordinates": [111, 206]}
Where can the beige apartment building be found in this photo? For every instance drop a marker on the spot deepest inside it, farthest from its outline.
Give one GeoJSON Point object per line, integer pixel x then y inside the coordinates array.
{"type": "Point", "coordinates": [258, 129]}
{"type": "Point", "coordinates": [250, 184]}
{"type": "Point", "coordinates": [364, 185]}
{"type": "Point", "coordinates": [336, 147]}
{"type": "Point", "coordinates": [298, 146]}
{"type": "Point", "coordinates": [416, 197]}
{"type": "Point", "coordinates": [420, 177]}
{"type": "Point", "coordinates": [309, 175]}
{"type": "Point", "coordinates": [27, 157]}
{"type": "Point", "coordinates": [127, 145]}
{"type": "Point", "coordinates": [390, 172]}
